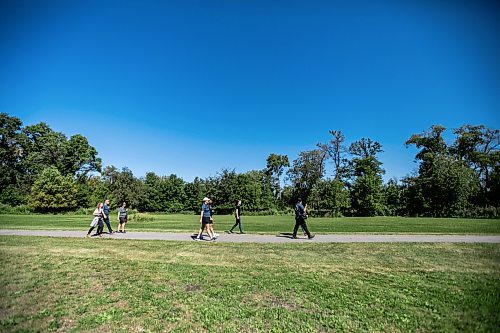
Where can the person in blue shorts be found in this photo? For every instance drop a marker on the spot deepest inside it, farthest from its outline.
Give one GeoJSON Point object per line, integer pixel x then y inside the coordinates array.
{"type": "Point", "coordinates": [205, 219]}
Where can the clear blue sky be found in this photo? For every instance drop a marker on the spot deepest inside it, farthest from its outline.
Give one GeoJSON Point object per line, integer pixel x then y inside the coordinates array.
{"type": "Point", "coordinates": [191, 87]}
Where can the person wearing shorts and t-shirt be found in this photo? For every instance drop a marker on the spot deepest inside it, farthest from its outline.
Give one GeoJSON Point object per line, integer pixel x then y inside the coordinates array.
{"type": "Point", "coordinates": [205, 219]}
{"type": "Point", "coordinates": [122, 217]}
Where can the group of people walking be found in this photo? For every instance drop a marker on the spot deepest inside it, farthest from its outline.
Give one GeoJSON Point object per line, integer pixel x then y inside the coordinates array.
{"type": "Point", "coordinates": [102, 211]}
{"type": "Point", "coordinates": [207, 220]}
{"type": "Point", "coordinates": [101, 217]}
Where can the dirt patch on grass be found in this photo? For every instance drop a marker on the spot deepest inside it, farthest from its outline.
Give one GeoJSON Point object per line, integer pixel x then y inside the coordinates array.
{"type": "Point", "coordinates": [194, 288]}
{"type": "Point", "coordinates": [272, 300]}
{"type": "Point", "coordinates": [66, 324]}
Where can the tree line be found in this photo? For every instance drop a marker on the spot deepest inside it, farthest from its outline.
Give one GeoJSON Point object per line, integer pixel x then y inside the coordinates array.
{"type": "Point", "coordinates": [45, 171]}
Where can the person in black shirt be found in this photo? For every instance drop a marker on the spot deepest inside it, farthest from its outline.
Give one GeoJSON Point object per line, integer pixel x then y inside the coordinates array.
{"type": "Point", "coordinates": [300, 220]}
{"type": "Point", "coordinates": [237, 216]}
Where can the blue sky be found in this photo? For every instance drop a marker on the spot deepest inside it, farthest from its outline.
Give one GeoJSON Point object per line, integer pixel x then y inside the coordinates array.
{"type": "Point", "coordinates": [191, 87]}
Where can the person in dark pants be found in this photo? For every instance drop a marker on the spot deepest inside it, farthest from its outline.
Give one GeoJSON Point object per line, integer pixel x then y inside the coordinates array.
{"type": "Point", "coordinates": [97, 221]}
{"type": "Point", "coordinates": [237, 216]}
{"type": "Point", "coordinates": [105, 209]}
{"type": "Point", "coordinates": [300, 220]}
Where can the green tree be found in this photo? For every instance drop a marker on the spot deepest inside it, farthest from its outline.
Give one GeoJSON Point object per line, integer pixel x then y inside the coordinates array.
{"type": "Point", "coordinates": [393, 198]}
{"type": "Point", "coordinates": [367, 197]}
{"type": "Point", "coordinates": [275, 167]}
{"type": "Point", "coordinates": [431, 145]}
{"type": "Point", "coordinates": [448, 187]}
{"type": "Point", "coordinates": [122, 186]}
{"type": "Point", "coordinates": [53, 192]}
{"type": "Point", "coordinates": [13, 187]}
{"type": "Point", "coordinates": [446, 183]}
{"type": "Point", "coordinates": [478, 147]}
{"type": "Point", "coordinates": [329, 198]}
{"type": "Point", "coordinates": [255, 190]}
{"type": "Point", "coordinates": [336, 151]}
{"type": "Point", "coordinates": [45, 147]}
{"type": "Point", "coordinates": [306, 171]}
{"type": "Point", "coordinates": [195, 191]}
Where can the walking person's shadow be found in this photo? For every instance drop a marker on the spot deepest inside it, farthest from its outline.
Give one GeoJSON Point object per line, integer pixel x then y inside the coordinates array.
{"type": "Point", "coordinates": [285, 235]}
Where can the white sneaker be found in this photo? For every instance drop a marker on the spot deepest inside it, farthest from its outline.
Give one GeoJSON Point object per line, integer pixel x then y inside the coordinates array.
{"type": "Point", "coordinates": [197, 239]}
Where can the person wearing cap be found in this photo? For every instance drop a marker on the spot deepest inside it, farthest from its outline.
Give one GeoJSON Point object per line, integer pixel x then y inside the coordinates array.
{"type": "Point", "coordinates": [205, 219]}
{"type": "Point", "coordinates": [300, 220]}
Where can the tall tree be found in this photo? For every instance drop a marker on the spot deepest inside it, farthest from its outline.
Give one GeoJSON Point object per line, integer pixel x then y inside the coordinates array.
{"type": "Point", "coordinates": [336, 151]}
{"type": "Point", "coordinates": [445, 184]}
{"type": "Point", "coordinates": [13, 188]}
{"type": "Point", "coordinates": [479, 146]}
{"type": "Point", "coordinates": [431, 145]}
{"type": "Point", "coordinates": [46, 147]}
{"type": "Point", "coordinates": [275, 166]}
{"type": "Point", "coordinates": [367, 197]}
{"type": "Point", "coordinates": [306, 171]}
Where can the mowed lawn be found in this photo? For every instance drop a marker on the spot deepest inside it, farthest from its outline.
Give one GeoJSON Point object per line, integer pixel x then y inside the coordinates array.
{"type": "Point", "coordinates": [264, 224]}
{"type": "Point", "coordinates": [105, 285]}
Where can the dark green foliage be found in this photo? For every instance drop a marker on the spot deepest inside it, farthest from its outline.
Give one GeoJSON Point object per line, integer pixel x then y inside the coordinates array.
{"type": "Point", "coordinates": [122, 186]}
{"type": "Point", "coordinates": [457, 179]}
{"type": "Point", "coordinates": [26, 151]}
{"type": "Point", "coordinates": [53, 192]}
{"type": "Point", "coordinates": [393, 198]}
{"type": "Point", "coordinates": [195, 192]}
{"type": "Point", "coordinates": [306, 171]}
{"type": "Point", "coordinates": [274, 169]}
{"type": "Point", "coordinates": [329, 198]}
{"type": "Point", "coordinates": [449, 178]}
{"type": "Point", "coordinates": [164, 194]}
{"type": "Point", "coordinates": [367, 196]}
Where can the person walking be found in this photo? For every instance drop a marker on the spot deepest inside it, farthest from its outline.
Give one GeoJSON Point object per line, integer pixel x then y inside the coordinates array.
{"type": "Point", "coordinates": [300, 220]}
{"type": "Point", "coordinates": [237, 216]}
{"type": "Point", "coordinates": [211, 225]}
{"type": "Point", "coordinates": [122, 218]}
{"type": "Point", "coordinates": [205, 219]}
{"type": "Point", "coordinates": [105, 208]}
{"type": "Point", "coordinates": [97, 220]}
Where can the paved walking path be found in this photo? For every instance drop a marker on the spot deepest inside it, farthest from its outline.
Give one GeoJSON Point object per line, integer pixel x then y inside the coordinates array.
{"type": "Point", "coordinates": [279, 238]}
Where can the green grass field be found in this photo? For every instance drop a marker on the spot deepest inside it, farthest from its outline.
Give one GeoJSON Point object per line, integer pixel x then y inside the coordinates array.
{"type": "Point", "coordinates": [82, 285]}
{"type": "Point", "coordinates": [265, 224]}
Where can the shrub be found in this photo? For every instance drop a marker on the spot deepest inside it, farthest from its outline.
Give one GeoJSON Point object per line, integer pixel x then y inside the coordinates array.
{"type": "Point", "coordinates": [18, 210]}
{"type": "Point", "coordinates": [141, 217]}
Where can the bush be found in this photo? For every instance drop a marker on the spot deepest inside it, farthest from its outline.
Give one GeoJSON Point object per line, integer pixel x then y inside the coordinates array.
{"type": "Point", "coordinates": [141, 217]}
{"type": "Point", "coordinates": [324, 213]}
{"type": "Point", "coordinates": [480, 212]}
{"type": "Point", "coordinates": [17, 210]}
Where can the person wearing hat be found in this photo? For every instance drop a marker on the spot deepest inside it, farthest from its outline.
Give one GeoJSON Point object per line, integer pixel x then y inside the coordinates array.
{"type": "Point", "coordinates": [300, 220]}
{"type": "Point", "coordinates": [205, 219]}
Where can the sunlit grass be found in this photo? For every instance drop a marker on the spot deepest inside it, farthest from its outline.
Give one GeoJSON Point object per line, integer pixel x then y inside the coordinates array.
{"type": "Point", "coordinates": [130, 286]}
{"type": "Point", "coordinates": [265, 224]}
